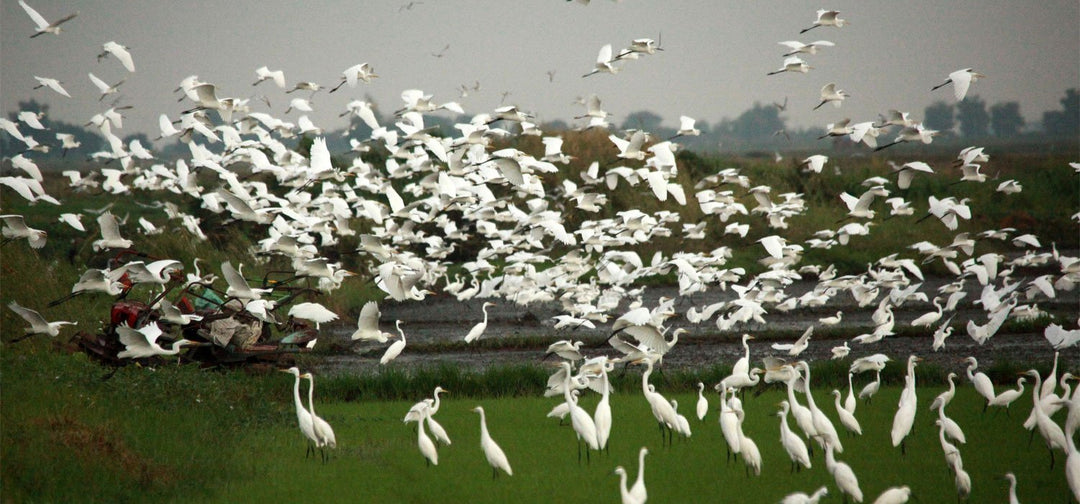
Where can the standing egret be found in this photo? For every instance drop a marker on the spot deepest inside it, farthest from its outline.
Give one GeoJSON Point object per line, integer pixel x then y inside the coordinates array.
{"type": "Point", "coordinates": [682, 425]}
{"type": "Point", "coordinates": [961, 80]}
{"type": "Point", "coordinates": [871, 388]}
{"type": "Point", "coordinates": [583, 424]}
{"type": "Point", "coordinates": [793, 445]}
{"type": "Point", "coordinates": [623, 492]}
{"type": "Point", "coordinates": [702, 402]}
{"type": "Point", "coordinates": [426, 445]}
{"type": "Point", "coordinates": [602, 414]}
{"type": "Point", "coordinates": [1008, 396]}
{"type": "Point", "coordinates": [492, 451]}
{"type": "Point", "coordinates": [303, 416]}
{"type": "Point", "coordinates": [729, 424]}
{"type": "Point", "coordinates": [1050, 431]}
{"type": "Point", "coordinates": [638, 491]}
{"type": "Point", "coordinates": [847, 419]}
{"type": "Point", "coordinates": [661, 409]}
{"type": "Point", "coordinates": [480, 327]}
{"type": "Point", "coordinates": [843, 475]}
{"type": "Point", "coordinates": [324, 434]}
{"type": "Point", "coordinates": [825, 428]}
{"type": "Point", "coordinates": [395, 348]}
{"type": "Point", "coordinates": [982, 383]}
{"type": "Point", "coordinates": [849, 400]}
{"type": "Point", "coordinates": [904, 419]}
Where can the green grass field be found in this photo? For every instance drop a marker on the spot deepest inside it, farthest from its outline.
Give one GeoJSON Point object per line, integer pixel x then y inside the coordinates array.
{"type": "Point", "coordinates": [174, 433]}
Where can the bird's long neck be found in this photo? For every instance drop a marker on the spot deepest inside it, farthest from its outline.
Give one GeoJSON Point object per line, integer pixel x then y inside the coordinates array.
{"type": "Point", "coordinates": [483, 425]}
{"type": "Point", "coordinates": [296, 395]}
{"type": "Point", "coordinates": [310, 396]}
{"type": "Point", "coordinates": [640, 468]}
{"type": "Point", "coordinates": [435, 406]}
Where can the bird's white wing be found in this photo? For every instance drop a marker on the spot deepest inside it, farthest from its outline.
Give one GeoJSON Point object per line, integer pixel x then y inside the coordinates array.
{"type": "Point", "coordinates": [121, 54]}
{"type": "Point", "coordinates": [233, 277]}
{"type": "Point", "coordinates": [101, 85]}
{"type": "Point", "coordinates": [40, 21]}
{"type": "Point", "coordinates": [32, 317]}
{"type": "Point", "coordinates": [110, 230]}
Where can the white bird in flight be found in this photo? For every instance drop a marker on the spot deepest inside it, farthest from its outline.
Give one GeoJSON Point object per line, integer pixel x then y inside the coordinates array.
{"type": "Point", "coordinates": [43, 25]}
{"type": "Point", "coordinates": [961, 81]}
{"type": "Point", "coordinates": [52, 84]}
{"type": "Point", "coordinates": [827, 18]}
{"type": "Point", "coordinates": [603, 62]}
{"type": "Point", "coordinates": [120, 52]}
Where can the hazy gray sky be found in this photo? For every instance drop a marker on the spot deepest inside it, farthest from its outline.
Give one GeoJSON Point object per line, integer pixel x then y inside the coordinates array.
{"type": "Point", "coordinates": [714, 63]}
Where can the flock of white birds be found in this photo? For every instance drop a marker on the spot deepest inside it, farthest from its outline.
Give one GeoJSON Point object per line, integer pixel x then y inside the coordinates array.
{"type": "Point", "coordinates": [459, 185]}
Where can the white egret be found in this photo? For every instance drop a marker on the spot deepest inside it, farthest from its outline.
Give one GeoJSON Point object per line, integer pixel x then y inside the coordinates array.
{"type": "Point", "coordinates": [120, 52]}
{"type": "Point", "coordinates": [38, 324]}
{"type": "Point", "coordinates": [264, 73]}
{"type": "Point", "coordinates": [314, 312]}
{"type": "Point", "coordinates": [367, 325]}
{"type": "Point", "coordinates": [843, 475]}
{"type": "Point", "coordinates": [894, 495]}
{"type": "Point", "coordinates": [961, 80]}
{"type": "Point", "coordinates": [827, 18]}
{"type": "Point", "coordinates": [14, 226]}
{"type": "Point", "coordinates": [602, 414]}
{"type": "Point", "coordinates": [103, 87]}
{"type": "Point", "coordinates": [871, 388]}
{"type": "Point", "coordinates": [142, 342]}
{"type": "Point", "coordinates": [395, 348]}
{"type": "Point", "coordinates": [324, 434]}
{"type": "Point", "coordinates": [604, 62]}
{"type": "Point", "coordinates": [303, 416]}
{"type": "Point", "coordinates": [792, 443]}
{"type": "Point", "coordinates": [904, 419]}
{"type": "Point", "coordinates": [794, 349]}
{"type": "Point", "coordinates": [792, 64]}
{"type": "Point", "coordinates": [1008, 396]}
{"type": "Point", "coordinates": [478, 329]}
{"type": "Point", "coordinates": [623, 492]}
{"type": "Point", "coordinates": [52, 84]}
{"type": "Point", "coordinates": [847, 419]}
{"type": "Point", "coordinates": [982, 383]}
{"type": "Point", "coordinates": [583, 424]}
{"type": "Point", "coordinates": [1050, 431]}
{"type": "Point", "coordinates": [638, 490]}
{"type": "Point", "coordinates": [660, 407]}
{"type": "Point", "coordinates": [43, 25]}
{"type": "Point", "coordinates": [682, 425]}
{"type": "Point", "coordinates": [426, 445]}
{"type": "Point", "coordinates": [1012, 488]}
{"type": "Point", "coordinates": [566, 349]}
{"type": "Point", "coordinates": [799, 47]}
{"type": "Point", "coordinates": [803, 498]}
{"type": "Point", "coordinates": [829, 93]}
{"type": "Point", "coordinates": [702, 402]}
{"type": "Point", "coordinates": [494, 454]}
{"type": "Point", "coordinates": [824, 427]}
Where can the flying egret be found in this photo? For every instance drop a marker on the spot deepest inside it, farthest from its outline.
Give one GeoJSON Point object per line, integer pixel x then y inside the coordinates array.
{"type": "Point", "coordinates": [604, 62]}
{"type": "Point", "coordinates": [961, 80]}
{"type": "Point", "coordinates": [38, 324]}
{"type": "Point", "coordinates": [103, 87]}
{"type": "Point", "coordinates": [827, 18]}
{"type": "Point", "coordinates": [478, 329]}
{"type": "Point", "coordinates": [303, 417]}
{"type": "Point", "coordinates": [829, 93]}
{"type": "Point", "coordinates": [355, 74]}
{"type": "Point", "coordinates": [494, 454]}
{"type": "Point", "coordinates": [395, 348]}
{"type": "Point", "coordinates": [792, 64]}
{"type": "Point", "coordinates": [142, 342]}
{"type": "Point", "coordinates": [43, 25]}
{"type": "Point", "coordinates": [14, 226]}
{"type": "Point", "coordinates": [796, 348]}
{"type": "Point", "coordinates": [314, 312]}
{"type": "Point", "coordinates": [52, 84]}
{"type": "Point", "coordinates": [120, 52]}
{"type": "Point", "coordinates": [367, 325]}
{"type": "Point", "coordinates": [799, 47]}
{"type": "Point", "coordinates": [264, 73]}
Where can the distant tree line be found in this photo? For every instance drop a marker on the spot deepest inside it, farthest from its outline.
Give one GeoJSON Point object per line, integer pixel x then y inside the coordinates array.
{"type": "Point", "coordinates": [761, 127]}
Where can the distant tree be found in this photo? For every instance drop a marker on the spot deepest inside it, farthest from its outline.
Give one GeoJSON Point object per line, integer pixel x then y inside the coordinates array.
{"type": "Point", "coordinates": [643, 120]}
{"type": "Point", "coordinates": [972, 116]}
{"type": "Point", "coordinates": [1005, 119]}
{"type": "Point", "coordinates": [1067, 121]}
{"type": "Point", "coordinates": [939, 116]}
{"type": "Point", "coordinates": [759, 122]}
